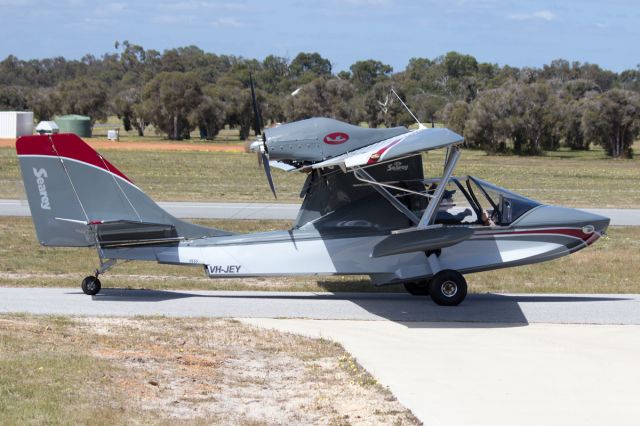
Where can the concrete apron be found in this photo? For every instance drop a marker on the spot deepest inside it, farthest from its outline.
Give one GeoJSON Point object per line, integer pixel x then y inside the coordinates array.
{"type": "Point", "coordinates": [495, 374]}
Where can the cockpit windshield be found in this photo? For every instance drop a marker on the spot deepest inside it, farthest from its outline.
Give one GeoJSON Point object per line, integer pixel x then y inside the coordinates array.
{"type": "Point", "coordinates": [503, 205]}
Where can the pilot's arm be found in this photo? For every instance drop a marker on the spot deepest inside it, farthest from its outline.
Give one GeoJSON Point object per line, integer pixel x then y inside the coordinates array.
{"type": "Point", "coordinates": [486, 219]}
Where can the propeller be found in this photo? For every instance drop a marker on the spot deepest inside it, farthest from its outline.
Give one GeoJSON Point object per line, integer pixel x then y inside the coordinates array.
{"type": "Point", "coordinates": [263, 153]}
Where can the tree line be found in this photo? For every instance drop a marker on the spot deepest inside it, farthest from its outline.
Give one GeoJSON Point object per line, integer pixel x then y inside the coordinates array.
{"type": "Point", "coordinates": [496, 108]}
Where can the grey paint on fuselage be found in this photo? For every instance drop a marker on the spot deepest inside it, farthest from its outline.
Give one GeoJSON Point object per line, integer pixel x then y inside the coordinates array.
{"type": "Point", "coordinates": [337, 233]}
{"type": "Point", "coordinates": [559, 216]}
{"type": "Point", "coordinates": [309, 252]}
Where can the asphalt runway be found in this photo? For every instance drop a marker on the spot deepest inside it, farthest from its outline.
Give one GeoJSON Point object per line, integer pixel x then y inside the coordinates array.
{"type": "Point", "coordinates": [508, 310]}
{"type": "Point", "coordinates": [186, 210]}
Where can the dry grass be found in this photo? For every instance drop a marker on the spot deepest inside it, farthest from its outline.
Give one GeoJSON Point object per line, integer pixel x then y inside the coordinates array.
{"type": "Point", "coordinates": [581, 179]}
{"type": "Point", "coordinates": [45, 380]}
{"type": "Point", "coordinates": [611, 265]}
{"type": "Point", "coordinates": [57, 370]}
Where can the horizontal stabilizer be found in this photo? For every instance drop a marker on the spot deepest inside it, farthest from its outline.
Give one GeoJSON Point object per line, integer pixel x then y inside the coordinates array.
{"type": "Point", "coordinates": [423, 240]}
{"type": "Point", "coordinates": [123, 232]}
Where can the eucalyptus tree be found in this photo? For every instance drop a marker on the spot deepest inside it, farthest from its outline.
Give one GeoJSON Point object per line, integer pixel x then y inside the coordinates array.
{"type": "Point", "coordinates": [612, 120]}
{"type": "Point", "coordinates": [168, 101]}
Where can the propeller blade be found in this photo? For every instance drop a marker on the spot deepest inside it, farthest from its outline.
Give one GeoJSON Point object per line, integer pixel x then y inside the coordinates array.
{"type": "Point", "coordinates": [257, 127]}
{"type": "Point", "coordinates": [257, 119]}
{"type": "Point", "coordinates": [267, 171]}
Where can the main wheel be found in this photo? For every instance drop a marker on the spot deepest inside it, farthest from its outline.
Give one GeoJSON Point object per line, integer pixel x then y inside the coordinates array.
{"type": "Point", "coordinates": [417, 288]}
{"type": "Point", "coordinates": [91, 285]}
{"type": "Point", "coordinates": [448, 288]}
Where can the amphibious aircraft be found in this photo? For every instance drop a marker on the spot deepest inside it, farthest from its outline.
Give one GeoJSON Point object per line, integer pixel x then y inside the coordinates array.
{"type": "Point", "coordinates": [367, 209]}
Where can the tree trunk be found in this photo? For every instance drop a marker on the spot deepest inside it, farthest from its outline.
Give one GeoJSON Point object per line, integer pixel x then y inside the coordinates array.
{"type": "Point", "coordinates": [536, 145]}
{"type": "Point", "coordinates": [517, 144]}
{"type": "Point", "coordinates": [244, 132]}
{"type": "Point", "coordinates": [617, 143]}
{"type": "Point", "coordinates": [140, 126]}
{"type": "Point", "coordinates": [175, 127]}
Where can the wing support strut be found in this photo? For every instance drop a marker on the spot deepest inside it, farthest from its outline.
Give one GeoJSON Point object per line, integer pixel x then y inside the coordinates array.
{"type": "Point", "coordinates": [429, 214]}
{"type": "Point", "coordinates": [363, 176]}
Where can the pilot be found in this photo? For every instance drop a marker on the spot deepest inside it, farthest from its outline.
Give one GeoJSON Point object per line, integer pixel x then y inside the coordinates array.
{"type": "Point", "coordinates": [446, 217]}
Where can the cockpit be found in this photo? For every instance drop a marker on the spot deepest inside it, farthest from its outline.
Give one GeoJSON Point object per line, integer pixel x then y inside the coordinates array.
{"type": "Point", "coordinates": [473, 201]}
{"type": "Point", "coordinates": [396, 195]}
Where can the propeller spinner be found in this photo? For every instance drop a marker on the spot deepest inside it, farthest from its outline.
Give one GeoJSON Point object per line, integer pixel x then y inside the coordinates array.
{"type": "Point", "coordinates": [263, 152]}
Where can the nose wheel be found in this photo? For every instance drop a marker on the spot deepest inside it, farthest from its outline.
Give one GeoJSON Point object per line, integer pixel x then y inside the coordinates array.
{"type": "Point", "coordinates": [91, 285]}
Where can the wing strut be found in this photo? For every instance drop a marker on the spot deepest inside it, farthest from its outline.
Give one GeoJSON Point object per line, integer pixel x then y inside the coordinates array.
{"type": "Point", "coordinates": [429, 214]}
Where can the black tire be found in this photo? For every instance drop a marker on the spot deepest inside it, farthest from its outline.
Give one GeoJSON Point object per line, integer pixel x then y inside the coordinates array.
{"type": "Point", "coordinates": [448, 288]}
{"type": "Point", "coordinates": [417, 288]}
{"type": "Point", "coordinates": [91, 285]}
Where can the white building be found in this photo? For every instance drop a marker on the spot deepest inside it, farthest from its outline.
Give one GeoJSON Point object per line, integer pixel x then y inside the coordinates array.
{"type": "Point", "coordinates": [14, 124]}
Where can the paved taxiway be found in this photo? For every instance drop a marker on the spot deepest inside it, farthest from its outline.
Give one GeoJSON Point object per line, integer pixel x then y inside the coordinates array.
{"type": "Point", "coordinates": [494, 360]}
{"type": "Point", "coordinates": [460, 374]}
{"type": "Point", "coordinates": [481, 308]}
{"type": "Point", "coordinates": [619, 217]}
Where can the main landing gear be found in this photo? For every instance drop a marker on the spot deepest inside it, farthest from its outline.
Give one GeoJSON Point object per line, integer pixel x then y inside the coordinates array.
{"type": "Point", "coordinates": [446, 288]}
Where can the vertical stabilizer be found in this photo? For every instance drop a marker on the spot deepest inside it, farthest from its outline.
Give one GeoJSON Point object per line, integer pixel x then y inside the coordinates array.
{"type": "Point", "coordinates": [70, 186]}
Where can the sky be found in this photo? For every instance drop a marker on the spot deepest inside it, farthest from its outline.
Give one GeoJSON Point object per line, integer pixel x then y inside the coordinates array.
{"type": "Point", "coordinates": [517, 33]}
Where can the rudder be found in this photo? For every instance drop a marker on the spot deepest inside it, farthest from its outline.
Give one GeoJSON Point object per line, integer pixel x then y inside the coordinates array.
{"type": "Point", "coordinates": [70, 186]}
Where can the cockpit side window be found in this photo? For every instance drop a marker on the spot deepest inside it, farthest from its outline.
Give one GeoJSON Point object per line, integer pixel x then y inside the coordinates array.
{"type": "Point", "coordinates": [455, 208]}
{"type": "Point", "coordinates": [479, 196]}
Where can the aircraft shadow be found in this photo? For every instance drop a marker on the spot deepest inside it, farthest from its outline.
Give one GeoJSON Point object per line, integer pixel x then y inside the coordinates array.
{"type": "Point", "coordinates": [477, 311]}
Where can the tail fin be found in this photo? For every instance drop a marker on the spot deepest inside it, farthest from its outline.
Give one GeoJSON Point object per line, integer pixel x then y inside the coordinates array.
{"type": "Point", "coordinates": [70, 187]}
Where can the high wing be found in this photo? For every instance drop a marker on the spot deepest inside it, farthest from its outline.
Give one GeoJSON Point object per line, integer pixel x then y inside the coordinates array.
{"type": "Point", "coordinates": [397, 147]}
{"type": "Point", "coordinates": [394, 147]}
{"type": "Point", "coordinates": [317, 139]}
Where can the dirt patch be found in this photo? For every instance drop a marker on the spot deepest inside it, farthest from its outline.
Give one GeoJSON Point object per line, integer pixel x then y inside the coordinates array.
{"type": "Point", "coordinates": [209, 371]}
{"type": "Point", "coordinates": [100, 144]}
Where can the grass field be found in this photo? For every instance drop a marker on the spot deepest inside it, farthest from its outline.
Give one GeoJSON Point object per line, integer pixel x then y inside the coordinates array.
{"type": "Point", "coordinates": [580, 179]}
{"type": "Point", "coordinates": [609, 266]}
{"type": "Point", "coordinates": [106, 371]}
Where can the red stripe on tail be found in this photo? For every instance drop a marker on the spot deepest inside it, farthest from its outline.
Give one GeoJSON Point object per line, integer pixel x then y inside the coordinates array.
{"type": "Point", "coordinates": [66, 145]}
